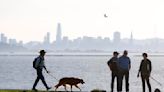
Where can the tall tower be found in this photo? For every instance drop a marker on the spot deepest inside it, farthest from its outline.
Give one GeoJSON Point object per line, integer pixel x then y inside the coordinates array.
{"type": "Point", "coordinates": [3, 38]}
{"type": "Point", "coordinates": [47, 38]}
{"type": "Point", "coordinates": [59, 33]}
{"type": "Point", "coordinates": [116, 37]}
{"type": "Point", "coordinates": [131, 38]}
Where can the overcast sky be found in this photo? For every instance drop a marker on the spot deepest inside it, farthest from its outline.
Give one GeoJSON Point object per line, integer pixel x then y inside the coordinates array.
{"type": "Point", "coordinates": [30, 19]}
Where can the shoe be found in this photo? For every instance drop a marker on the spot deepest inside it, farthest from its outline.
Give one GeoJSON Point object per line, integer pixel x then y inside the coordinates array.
{"type": "Point", "coordinates": [49, 88]}
{"type": "Point", "coordinates": [34, 89]}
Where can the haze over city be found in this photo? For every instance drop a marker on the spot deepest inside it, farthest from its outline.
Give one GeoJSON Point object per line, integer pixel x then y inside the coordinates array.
{"type": "Point", "coordinates": [30, 20]}
{"type": "Point", "coordinates": [85, 43]}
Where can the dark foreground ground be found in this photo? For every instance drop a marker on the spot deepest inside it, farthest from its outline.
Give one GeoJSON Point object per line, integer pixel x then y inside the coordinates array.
{"type": "Point", "coordinates": [16, 90]}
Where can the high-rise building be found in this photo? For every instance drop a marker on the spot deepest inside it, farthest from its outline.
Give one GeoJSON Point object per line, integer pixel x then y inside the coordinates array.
{"type": "Point", "coordinates": [59, 33]}
{"type": "Point", "coordinates": [20, 43]}
{"type": "Point", "coordinates": [3, 38]}
{"type": "Point", "coordinates": [131, 38]}
{"type": "Point", "coordinates": [116, 37]}
{"type": "Point", "coordinates": [47, 38]}
{"type": "Point", "coordinates": [12, 41]}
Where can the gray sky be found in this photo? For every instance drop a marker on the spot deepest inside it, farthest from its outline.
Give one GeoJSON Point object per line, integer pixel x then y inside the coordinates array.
{"type": "Point", "coordinates": [30, 19]}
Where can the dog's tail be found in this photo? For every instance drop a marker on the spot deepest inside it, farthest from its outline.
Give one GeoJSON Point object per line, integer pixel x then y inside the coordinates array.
{"type": "Point", "coordinates": [56, 86]}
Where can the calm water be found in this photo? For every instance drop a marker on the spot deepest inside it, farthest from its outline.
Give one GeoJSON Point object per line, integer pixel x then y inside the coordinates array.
{"type": "Point", "coordinates": [16, 72]}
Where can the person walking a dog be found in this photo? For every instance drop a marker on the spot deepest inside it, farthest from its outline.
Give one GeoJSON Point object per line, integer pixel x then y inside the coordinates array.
{"type": "Point", "coordinates": [39, 65]}
{"type": "Point", "coordinates": [124, 65]}
{"type": "Point", "coordinates": [145, 71]}
{"type": "Point", "coordinates": [112, 63]}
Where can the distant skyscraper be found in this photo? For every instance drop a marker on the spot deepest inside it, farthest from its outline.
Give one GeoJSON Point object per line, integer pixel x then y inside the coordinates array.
{"type": "Point", "coordinates": [131, 38]}
{"type": "Point", "coordinates": [20, 43]}
{"type": "Point", "coordinates": [3, 38]}
{"type": "Point", "coordinates": [59, 33]}
{"type": "Point", "coordinates": [116, 37]}
{"type": "Point", "coordinates": [12, 41]}
{"type": "Point", "coordinates": [47, 38]}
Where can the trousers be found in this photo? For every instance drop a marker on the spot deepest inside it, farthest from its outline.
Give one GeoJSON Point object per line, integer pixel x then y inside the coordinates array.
{"type": "Point", "coordinates": [39, 77]}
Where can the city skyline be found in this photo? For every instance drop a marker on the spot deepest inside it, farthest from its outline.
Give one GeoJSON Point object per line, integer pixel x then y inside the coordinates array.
{"type": "Point", "coordinates": [85, 43]}
{"type": "Point", "coordinates": [22, 19]}
{"type": "Point", "coordinates": [53, 38]}
{"type": "Point", "coordinates": [46, 38]}
{"type": "Point", "coordinates": [59, 38]}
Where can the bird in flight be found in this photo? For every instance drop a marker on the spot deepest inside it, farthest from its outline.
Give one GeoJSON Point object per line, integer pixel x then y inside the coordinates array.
{"type": "Point", "coordinates": [105, 16]}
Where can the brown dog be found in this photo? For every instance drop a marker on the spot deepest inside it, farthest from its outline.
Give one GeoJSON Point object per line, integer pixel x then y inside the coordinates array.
{"type": "Point", "coordinates": [70, 81]}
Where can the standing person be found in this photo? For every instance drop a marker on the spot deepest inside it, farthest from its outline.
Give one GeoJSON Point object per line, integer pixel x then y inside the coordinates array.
{"type": "Point", "coordinates": [145, 70]}
{"type": "Point", "coordinates": [112, 63]}
{"type": "Point", "coordinates": [124, 64]}
{"type": "Point", "coordinates": [39, 64]}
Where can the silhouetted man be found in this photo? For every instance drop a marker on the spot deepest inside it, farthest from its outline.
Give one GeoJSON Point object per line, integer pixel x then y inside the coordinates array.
{"type": "Point", "coordinates": [112, 63]}
{"type": "Point", "coordinates": [124, 64]}
{"type": "Point", "coordinates": [40, 65]}
{"type": "Point", "coordinates": [145, 70]}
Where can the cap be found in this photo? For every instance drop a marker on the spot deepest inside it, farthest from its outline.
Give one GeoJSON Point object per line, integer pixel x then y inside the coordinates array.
{"type": "Point", "coordinates": [115, 52]}
{"type": "Point", "coordinates": [42, 51]}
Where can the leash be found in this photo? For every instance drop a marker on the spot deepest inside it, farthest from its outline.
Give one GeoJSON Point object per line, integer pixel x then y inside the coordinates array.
{"type": "Point", "coordinates": [53, 76]}
{"type": "Point", "coordinates": [156, 81]}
